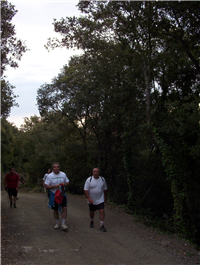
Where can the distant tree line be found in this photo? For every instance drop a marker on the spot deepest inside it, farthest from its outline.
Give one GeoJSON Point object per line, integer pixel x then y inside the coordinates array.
{"type": "Point", "coordinates": [128, 105]}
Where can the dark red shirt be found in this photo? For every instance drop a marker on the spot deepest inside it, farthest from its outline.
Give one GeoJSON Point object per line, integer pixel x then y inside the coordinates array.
{"type": "Point", "coordinates": [12, 180]}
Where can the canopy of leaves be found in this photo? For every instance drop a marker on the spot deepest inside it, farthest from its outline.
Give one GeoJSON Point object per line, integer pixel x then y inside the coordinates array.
{"type": "Point", "coordinates": [7, 98]}
{"type": "Point", "coordinates": [129, 105]}
{"type": "Point", "coordinates": [12, 49]}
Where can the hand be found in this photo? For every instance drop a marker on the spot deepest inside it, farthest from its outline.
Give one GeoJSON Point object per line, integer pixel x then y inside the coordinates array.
{"type": "Point", "coordinates": [90, 201]}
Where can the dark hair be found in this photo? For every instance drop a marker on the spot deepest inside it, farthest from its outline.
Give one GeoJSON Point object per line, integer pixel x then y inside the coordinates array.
{"type": "Point", "coordinates": [55, 163]}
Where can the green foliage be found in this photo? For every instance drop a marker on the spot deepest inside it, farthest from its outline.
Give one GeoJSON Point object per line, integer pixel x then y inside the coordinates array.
{"type": "Point", "coordinates": [7, 98]}
{"type": "Point", "coordinates": [156, 48]}
{"type": "Point", "coordinates": [128, 105]}
{"type": "Point", "coordinates": [8, 151]}
{"type": "Point", "coordinates": [12, 49]}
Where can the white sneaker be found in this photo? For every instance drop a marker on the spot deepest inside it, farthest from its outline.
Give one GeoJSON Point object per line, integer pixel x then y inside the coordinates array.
{"type": "Point", "coordinates": [56, 226]}
{"type": "Point", "coordinates": [64, 227]}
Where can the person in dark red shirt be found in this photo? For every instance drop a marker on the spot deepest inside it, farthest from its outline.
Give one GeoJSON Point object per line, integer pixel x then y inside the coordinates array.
{"type": "Point", "coordinates": [11, 183]}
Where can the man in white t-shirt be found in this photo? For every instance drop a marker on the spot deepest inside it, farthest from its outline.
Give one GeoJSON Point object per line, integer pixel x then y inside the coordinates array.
{"type": "Point", "coordinates": [95, 190]}
{"type": "Point", "coordinates": [53, 182]}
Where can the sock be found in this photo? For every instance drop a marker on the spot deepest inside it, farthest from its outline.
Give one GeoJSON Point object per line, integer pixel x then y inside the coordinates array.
{"type": "Point", "coordinates": [63, 221]}
{"type": "Point", "coordinates": [92, 220]}
{"type": "Point", "coordinates": [101, 223]}
{"type": "Point", "coordinates": [57, 221]}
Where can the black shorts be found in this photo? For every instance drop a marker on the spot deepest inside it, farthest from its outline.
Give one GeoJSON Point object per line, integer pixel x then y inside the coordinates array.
{"type": "Point", "coordinates": [63, 204]}
{"type": "Point", "coordinates": [12, 192]}
{"type": "Point", "coordinates": [93, 207]}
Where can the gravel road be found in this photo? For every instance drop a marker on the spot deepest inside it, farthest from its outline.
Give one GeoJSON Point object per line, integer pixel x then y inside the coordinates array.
{"type": "Point", "coordinates": [28, 237]}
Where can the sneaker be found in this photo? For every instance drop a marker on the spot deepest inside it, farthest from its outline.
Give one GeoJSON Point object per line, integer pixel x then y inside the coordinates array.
{"type": "Point", "coordinates": [91, 224]}
{"type": "Point", "coordinates": [15, 205]}
{"type": "Point", "coordinates": [64, 227]}
{"type": "Point", "coordinates": [56, 226]}
{"type": "Point", "coordinates": [10, 204]}
{"type": "Point", "coordinates": [102, 228]}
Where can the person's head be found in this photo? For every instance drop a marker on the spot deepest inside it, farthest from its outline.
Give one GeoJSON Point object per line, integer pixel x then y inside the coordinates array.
{"type": "Point", "coordinates": [56, 168]}
{"type": "Point", "coordinates": [96, 172]}
{"type": "Point", "coordinates": [49, 171]}
{"type": "Point", "coordinates": [12, 170]}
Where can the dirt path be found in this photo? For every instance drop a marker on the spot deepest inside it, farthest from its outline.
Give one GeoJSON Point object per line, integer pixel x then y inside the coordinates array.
{"type": "Point", "coordinates": [29, 237]}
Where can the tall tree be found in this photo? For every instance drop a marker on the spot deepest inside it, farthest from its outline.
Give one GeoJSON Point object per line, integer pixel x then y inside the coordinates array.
{"type": "Point", "coordinates": [12, 50]}
{"type": "Point", "coordinates": [7, 98]}
{"type": "Point", "coordinates": [159, 43]}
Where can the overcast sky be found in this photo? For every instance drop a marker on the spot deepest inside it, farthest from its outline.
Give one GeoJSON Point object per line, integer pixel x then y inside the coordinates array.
{"type": "Point", "coordinates": [33, 24]}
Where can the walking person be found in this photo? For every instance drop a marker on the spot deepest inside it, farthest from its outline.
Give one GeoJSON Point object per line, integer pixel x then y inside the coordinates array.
{"type": "Point", "coordinates": [95, 190]}
{"type": "Point", "coordinates": [11, 183]}
{"type": "Point", "coordinates": [55, 181]}
{"type": "Point", "coordinates": [44, 178]}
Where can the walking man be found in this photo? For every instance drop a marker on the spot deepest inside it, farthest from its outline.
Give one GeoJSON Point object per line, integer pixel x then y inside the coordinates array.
{"type": "Point", "coordinates": [95, 190]}
{"type": "Point", "coordinates": [54, 182]}
{"type": "Point", "coordinates": [44, 178]}
{"type": "Point", "coordinates": [11, 183]}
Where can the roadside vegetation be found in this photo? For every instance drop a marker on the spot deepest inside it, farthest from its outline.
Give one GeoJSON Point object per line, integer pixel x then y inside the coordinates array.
{"type": "Point", "coordinates": [128, 105]}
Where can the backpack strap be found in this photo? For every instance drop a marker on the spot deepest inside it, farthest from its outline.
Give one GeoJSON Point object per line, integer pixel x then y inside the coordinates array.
{"type": "Point", "coordinates": [101, 179]}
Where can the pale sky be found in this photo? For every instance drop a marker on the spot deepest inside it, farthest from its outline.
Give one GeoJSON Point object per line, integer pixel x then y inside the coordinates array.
{"type": "Point", "coordinates": [33, 24]}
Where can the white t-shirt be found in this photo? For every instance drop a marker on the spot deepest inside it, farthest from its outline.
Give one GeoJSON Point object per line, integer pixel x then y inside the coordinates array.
{"type": "Point", "coordinates": [45, 176]}
{"type": "Point", "coordinates": [53, 179]}
{"type": "Point", "coordinates": [96, 189]}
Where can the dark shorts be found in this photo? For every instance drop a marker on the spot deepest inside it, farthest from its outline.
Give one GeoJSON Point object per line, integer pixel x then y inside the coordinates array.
{"type": "Point", "coordinates": [63, 204]}
{"type": "Point", "coordinates": [12, 192]}
{"type": "Point", "coordinates": [93, 207]}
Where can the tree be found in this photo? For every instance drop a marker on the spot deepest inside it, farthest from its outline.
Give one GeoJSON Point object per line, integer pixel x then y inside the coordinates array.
{"type": "Point", "coordinates": [12, 50]}
{"type": "Point", "coordinates": [7, 98]}
{"type": "Point", "coordinates": [8, 136]}
{"type": "Point", "coordinates": [159, 46]}
{"type": "Point", "coordinates": [179, 24]}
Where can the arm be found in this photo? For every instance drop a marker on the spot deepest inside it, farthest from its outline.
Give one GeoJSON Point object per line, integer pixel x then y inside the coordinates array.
{"type": "Point", "coordinates": [88, 196]}
{"type": "Point", "coordinates": [66, 184]}
{"type": "Point", "coordinates": [44, 179]}
{"type": "Point", "coordinates": [44, 184]}
{"type": "Point", "coordinates": [18, 182]}
{"type": "Point", "coordinates": [17, 185]}
{"type": "Point", "coordinates": [52, 186]}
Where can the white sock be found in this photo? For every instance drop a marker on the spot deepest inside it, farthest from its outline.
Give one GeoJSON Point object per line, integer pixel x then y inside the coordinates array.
{"type": "Point", "coordinates": [101, 223]}
{"type": "Point", "coordinates": [63, 221]}
{"type": "Point", "coordinates": [57, 221]}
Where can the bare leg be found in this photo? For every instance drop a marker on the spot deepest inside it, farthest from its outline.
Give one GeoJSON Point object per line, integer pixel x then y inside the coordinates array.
{"type": "Point", "coordinates": [64, 212]}
{"type": "Point", "coordinates": [92, 215]}
{"type": "Point", "coordinates": [56, 214]}
{"type": "Point", "coordinates": [101, 214]}
{"type": "Point", "coordinates": [10, 198]}
{"type": "Point", "coordinates": [101, 217]}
